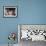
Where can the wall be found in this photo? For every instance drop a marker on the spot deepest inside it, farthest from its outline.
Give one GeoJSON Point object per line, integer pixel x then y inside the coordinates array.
{"type": "Point", "coordinates": [29, 12]}
{"type": "Point", "coordinates": [32, 11]}
{"type": "Point", "coordinates": [7, 25]}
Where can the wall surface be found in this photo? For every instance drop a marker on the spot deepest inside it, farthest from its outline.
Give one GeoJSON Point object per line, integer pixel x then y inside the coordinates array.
{"type": "Point", "coordinates": [29, 12]}
{"type": "Point", "coordinates": [7, 25]}
{"type": "Point", "coordinates": [32, 11]}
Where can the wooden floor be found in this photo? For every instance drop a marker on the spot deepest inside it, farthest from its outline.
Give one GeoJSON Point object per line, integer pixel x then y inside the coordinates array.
{"type": "Point", "coordinates": [30, 43]}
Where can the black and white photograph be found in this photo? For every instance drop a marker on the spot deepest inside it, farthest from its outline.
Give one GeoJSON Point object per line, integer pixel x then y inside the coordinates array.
{"type": "Point", "coordinates": [31, 34]}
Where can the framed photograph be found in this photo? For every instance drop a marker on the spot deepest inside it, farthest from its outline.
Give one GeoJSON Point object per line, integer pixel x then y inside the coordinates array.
{"type": "Point", "coordinates": [33, 32]}
{"type": "Point", "coordinates": [10, 11]}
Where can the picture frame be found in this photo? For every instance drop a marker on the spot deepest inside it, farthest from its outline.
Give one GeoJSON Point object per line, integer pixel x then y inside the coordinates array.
{"type": "Point", "coordinates": [38, 30]}
{"type": "Point", "coordinates": [10, 11]}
